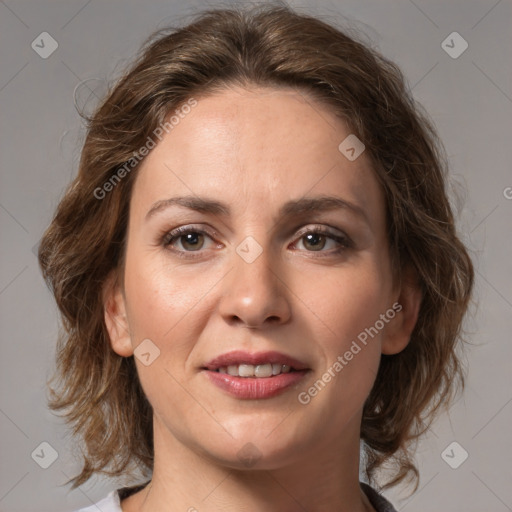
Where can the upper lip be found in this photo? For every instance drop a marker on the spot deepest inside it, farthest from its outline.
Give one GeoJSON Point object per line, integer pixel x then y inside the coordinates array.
{"type": "Point", "coordinates": [237, 357]}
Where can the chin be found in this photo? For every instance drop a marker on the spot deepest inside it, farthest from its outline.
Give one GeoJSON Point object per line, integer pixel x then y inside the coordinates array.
{"type": "Point", "coordinates": [254, 447]}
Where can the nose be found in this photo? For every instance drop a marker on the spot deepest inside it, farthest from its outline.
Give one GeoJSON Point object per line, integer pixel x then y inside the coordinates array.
{"type": "Point", "coordinates": [254, 293]}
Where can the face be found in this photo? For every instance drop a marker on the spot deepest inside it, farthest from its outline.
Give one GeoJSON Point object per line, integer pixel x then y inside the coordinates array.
{"type": "Point", "coordinates": [255, 247]}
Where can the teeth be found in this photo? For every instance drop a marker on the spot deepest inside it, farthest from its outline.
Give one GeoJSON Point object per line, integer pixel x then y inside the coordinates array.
{"type": "Point", "coordinates": [260, 370]}
{"type": "Point", "coordinates": [263, 370]}
{"type": "Point", "coordinates": [233, 370]}
{"type": "Point", "coordinates": [246, 370]}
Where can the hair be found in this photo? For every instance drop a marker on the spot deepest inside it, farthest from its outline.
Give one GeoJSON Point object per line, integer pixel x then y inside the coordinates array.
{"type": "Point", "coordinates": [98, 391]}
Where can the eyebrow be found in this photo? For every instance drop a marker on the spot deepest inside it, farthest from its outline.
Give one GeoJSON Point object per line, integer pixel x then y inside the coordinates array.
{"type": "Point", "coordinates": [304, 205]}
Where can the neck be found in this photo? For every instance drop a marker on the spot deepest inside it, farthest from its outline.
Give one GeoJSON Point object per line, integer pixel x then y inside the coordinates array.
{"type": "Point", "coordinates": [324, 478]}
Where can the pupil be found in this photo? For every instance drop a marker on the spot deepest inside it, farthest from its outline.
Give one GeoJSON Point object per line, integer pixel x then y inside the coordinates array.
{"type": "Point", "coordinates": [313, 240]}
{"type": "Point", "coordinates": [192, 239]}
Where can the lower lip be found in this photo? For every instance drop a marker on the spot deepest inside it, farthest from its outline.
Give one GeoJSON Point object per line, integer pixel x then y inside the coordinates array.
{"type": "Point", "coordinates": [253, 388]}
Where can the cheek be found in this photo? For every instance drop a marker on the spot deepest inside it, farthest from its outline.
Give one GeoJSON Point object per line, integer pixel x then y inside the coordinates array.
{"type": "Point", "coordinates": [347, 303]}
{"type": "Point", "coordinates": [159, 297]}
{"type": "Point", "coordinates": [346, 308]}
{"type": "Point", "coordinates": [169, 305]}
{"type": "Point", "coordinates": [163, 304]}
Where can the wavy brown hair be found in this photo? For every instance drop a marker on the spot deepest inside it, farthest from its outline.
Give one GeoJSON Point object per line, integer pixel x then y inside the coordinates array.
{"type": "Point", "coordinates": [97, 390]}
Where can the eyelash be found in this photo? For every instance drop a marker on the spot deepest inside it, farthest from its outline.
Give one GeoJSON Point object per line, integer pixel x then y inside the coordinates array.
{"type": "Point", "coordinates": [169, 237]}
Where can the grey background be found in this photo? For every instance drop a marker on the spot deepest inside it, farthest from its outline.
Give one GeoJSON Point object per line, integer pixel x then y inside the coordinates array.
{"type": "Point", "coordinates": [470, 100]}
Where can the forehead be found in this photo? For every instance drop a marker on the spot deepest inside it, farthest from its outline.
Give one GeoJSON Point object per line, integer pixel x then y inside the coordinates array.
{"type": "Point", "coordinates": [249, 146]}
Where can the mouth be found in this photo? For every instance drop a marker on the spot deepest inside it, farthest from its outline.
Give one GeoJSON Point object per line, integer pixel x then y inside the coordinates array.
{"type": "Point", "coordinates": [259, 371]}
{"type": "Point", "coordinates": [255, 376]}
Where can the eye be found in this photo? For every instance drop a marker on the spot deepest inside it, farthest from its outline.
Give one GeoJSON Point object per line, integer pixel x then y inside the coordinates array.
{"type": "Point", "coordinates": [319, 238]}
{"type": "Point", "coordinates": [186, 239]}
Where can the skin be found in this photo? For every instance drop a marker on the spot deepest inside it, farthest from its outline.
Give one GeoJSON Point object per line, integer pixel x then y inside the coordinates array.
{"type": "Point", "coordinates": [255, 149]}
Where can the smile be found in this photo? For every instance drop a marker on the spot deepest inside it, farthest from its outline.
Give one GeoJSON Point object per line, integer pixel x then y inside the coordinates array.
{"type": "Point", "coordinates": [258, 371]}
{"type": "Point", "coordinates": [255, 376]}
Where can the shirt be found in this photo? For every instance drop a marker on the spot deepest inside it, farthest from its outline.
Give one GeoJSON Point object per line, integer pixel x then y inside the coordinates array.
{"type": "Point", "coordinates": [112, 502]}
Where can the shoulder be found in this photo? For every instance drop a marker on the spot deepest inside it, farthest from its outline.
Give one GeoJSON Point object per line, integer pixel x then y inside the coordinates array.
{"type": "Point", "coordinates": [111, 503]}
{"type": "Point", "coordinates": [379, 503]}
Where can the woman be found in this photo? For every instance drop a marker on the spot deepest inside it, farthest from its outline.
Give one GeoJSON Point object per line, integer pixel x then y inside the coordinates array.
{"type": "Point", "coordinates": [257, 268]}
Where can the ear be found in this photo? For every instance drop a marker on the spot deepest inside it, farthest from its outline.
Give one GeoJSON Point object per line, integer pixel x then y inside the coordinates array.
{"type": "Point", "coordinates": [398, 331]}
{"type": "Point", "coordinates": [115, 316]}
